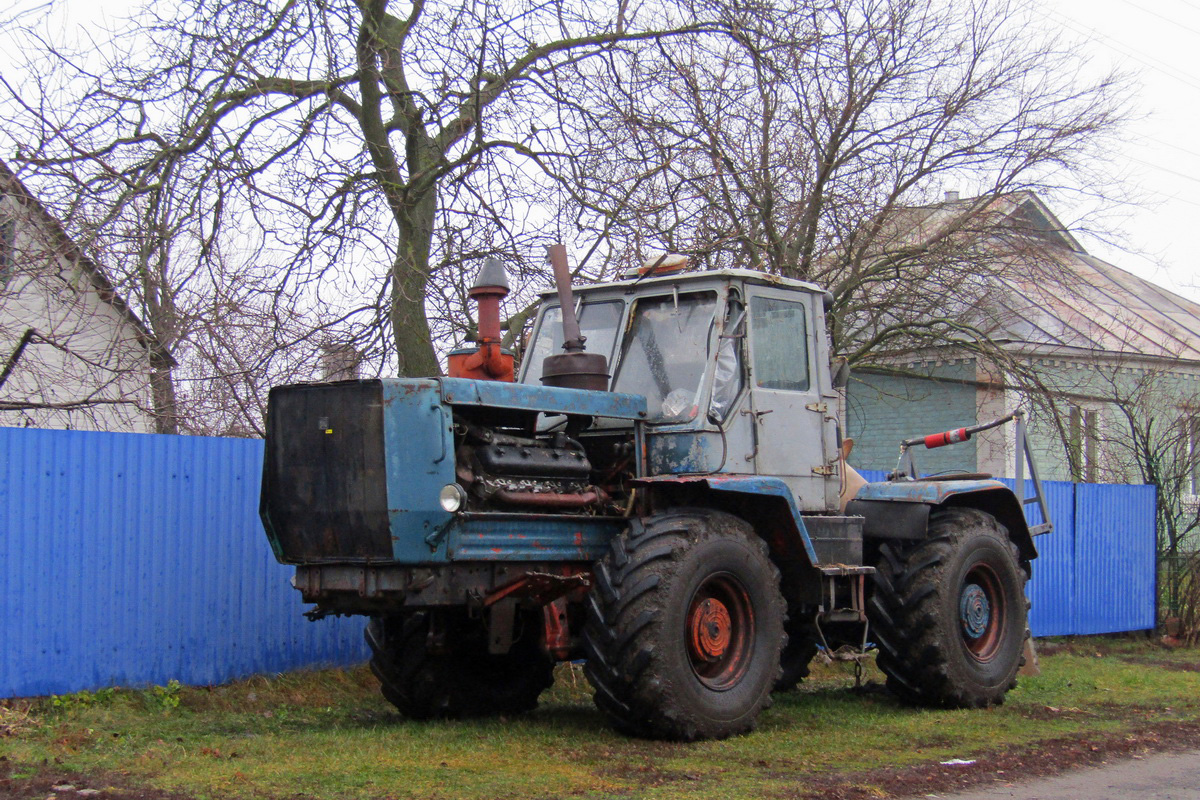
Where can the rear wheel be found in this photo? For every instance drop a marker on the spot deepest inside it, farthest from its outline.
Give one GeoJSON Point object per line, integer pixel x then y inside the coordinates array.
{"type": "Point", "coordinates": [462, 679]}
{"type": "Point", "coordinates": [797, 655]}
{"type": "Point", "coordinates": [685, 625]}
{"type": "Point", "coordinates": [949, 615]}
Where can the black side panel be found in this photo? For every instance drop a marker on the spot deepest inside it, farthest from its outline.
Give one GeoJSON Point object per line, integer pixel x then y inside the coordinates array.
{"type": "Point", "coordinates": [891, 520]}
{"type": "Point", "coordinates": [324, 481]}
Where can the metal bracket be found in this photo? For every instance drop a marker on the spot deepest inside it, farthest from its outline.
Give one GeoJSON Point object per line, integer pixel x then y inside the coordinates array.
{"type": "Point", "coordinates": [541, 587]}
{"type": "Point", "coordinates": [820, 408]}
{"type": "Point", "coordinates": [435, 537]}
{"type": "Point", "coordinates": [856, 614]}
{"type": "Point", "coordinates": [823, 469]}
{"type": "Point", "coordinates": [500, 626]}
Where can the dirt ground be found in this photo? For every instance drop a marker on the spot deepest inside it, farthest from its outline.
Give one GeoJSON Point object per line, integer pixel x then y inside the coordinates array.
{"type": "Point", "coordinates": [1003, 766]}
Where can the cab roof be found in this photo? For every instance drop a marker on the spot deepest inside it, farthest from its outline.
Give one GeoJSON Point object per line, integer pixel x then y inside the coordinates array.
{"type": "Point", "coordinates": [693, 276]}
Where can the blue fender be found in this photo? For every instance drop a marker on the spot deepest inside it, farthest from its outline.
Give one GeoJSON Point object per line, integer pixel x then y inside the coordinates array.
{"type": "Point", "coordinates": [888, 508]}
{"type": "Point", "coordinates": [766, 503]}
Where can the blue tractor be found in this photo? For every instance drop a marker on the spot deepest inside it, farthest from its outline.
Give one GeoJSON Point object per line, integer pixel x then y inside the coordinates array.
{"type": "Point", "coordinates": [670, 502]}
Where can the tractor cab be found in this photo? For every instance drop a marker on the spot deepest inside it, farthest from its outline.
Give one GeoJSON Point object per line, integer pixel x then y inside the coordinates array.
{"type": "Point", "coordinates": [734, 366]}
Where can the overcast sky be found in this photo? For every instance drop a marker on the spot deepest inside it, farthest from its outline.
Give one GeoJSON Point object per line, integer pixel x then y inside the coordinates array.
{"type": "Point", "coordinates": [1159, 41]}
{"type": "Point", "coordinates": [1156, 40]}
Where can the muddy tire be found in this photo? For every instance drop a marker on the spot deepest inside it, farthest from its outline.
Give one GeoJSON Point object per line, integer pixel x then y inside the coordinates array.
{"type": "Point", "coordinates": [684, 627]}
{"type": "Point", "coordinates": [949, 614]}
{"type": "Point", "coordinates": [463, 681]}
{"type": "Point", "coordinates": [794, 661]}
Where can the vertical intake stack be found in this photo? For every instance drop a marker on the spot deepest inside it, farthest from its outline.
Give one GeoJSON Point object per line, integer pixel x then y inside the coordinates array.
{"type": "Point", "coordinates": [487, 362]}
{"type": "Point", "coordinates": [573, 369]}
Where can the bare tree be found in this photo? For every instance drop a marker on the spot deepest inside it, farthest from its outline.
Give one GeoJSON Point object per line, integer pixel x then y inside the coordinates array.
{"type": "Point", "coordinates": [352, 139]}
{"type": "Point", "coordinates": [1151, 436]}
{"type": "Point", "coordinates": [356, 157]}
{"type": "Point", "coordinates": [819, 144]}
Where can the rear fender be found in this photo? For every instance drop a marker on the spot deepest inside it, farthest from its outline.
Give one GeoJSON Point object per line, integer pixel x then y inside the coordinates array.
{"type": "Point", "coordinates": [900, 510]}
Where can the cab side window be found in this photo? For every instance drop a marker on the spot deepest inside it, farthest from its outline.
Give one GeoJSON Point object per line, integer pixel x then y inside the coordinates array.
{"type": "Point", "coordinates": [780, 344]}
{"type": "Point", "coordinates": [727, 378]}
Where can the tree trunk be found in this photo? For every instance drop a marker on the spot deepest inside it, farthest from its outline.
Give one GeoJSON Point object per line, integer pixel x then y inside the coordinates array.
{"type": "Point", "coordinates": [410, 329]}
{"type": "Point", "coordinates": [415, 357]}
{"type": "Point", "coordinates": [166, 412]}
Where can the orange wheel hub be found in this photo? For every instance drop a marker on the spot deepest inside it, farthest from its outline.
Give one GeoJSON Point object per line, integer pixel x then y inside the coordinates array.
{"type": "Point", "coordinates": [711, 629]}
{"type": "Point", "coordinates": [719, 631]}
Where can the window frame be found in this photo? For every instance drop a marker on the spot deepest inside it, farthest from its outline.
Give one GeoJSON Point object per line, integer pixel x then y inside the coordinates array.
{"type": "Point", "coordinates": [8, 248]}
{"type": "Point", "coordinates": [1189, 424]}
{"type": "Point", "coordinates": [1083, 441]}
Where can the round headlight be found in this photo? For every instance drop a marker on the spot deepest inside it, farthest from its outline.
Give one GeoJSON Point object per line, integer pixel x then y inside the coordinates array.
{"type": "Point", "coordinates": [452, 497]}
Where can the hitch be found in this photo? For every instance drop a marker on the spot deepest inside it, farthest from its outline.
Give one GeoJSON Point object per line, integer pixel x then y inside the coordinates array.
{"type": "Point", "coordinates": [906, 468]}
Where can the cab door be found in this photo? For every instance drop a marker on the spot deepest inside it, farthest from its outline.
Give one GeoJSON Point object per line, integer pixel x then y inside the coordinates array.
{"type": "Point", "coordinates": [794, 437]}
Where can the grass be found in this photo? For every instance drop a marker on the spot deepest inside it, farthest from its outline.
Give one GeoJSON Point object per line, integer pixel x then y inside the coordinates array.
{"type": "Point", "coordinates": [329, 734]}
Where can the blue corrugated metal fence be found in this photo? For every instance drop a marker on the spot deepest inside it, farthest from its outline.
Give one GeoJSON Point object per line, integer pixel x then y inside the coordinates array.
{"type": "Point", "coordinates": [136, 559]}
{"type": "Point", "coordinates": [1114, 580]}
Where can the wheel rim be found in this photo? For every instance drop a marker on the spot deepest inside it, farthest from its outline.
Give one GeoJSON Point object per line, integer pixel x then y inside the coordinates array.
{"type": "Point", "coordinates": [720, 632]}
{"type": "Point", "coordinates": [981, 608]}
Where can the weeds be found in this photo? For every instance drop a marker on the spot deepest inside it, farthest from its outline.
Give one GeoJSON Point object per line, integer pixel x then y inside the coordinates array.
{"type": "Point", "coordinates": [84, 699]}
{"type": "Point", "coordinates": [166, 697]}
{"type": "Point", "coordinates": [1189, 599]}
{"type": "Point", "coordinates": [157, 698]}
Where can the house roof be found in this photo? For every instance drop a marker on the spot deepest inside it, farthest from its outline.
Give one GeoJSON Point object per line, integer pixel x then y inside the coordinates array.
{"type": "Point", "coordinates": [1022, 213]}
{"type": "Point", "coordinates": [1075, 302]}
{"type": "Point", "coordinates": [1101, 307]}
{"type": "Point", "coordinates": [66, 247]}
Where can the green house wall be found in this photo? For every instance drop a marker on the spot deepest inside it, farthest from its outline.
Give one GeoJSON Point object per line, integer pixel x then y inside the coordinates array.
{"type": "Point", "coordinates": [884, 410]}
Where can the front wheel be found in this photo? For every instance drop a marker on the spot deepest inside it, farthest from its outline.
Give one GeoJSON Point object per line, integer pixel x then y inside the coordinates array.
{"type": "Point", "coordinates": [949, 615]}
{"type": "Point", "coordinates": [685, 626]}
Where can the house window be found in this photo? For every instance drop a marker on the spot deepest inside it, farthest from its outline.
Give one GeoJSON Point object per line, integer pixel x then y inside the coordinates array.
{"type": "Point", "coordinates": [1084, 432]}
{"type": "Point", "coordinates": [8, 249]}
{"type": "Point", "coordinates": [1189, 425]}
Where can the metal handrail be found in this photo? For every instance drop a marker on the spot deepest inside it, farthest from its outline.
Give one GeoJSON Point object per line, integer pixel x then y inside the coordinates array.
{"type": "Point", "coordinates": [906, 468]}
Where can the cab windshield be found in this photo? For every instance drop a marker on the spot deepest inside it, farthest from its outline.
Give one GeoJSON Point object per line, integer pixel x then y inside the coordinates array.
{"type": "Point", "coordinates": [664, 353]}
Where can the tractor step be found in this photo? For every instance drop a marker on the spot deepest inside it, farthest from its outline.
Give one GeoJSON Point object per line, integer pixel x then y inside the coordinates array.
{"type": "Point", "coordinates": [839, 570]}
